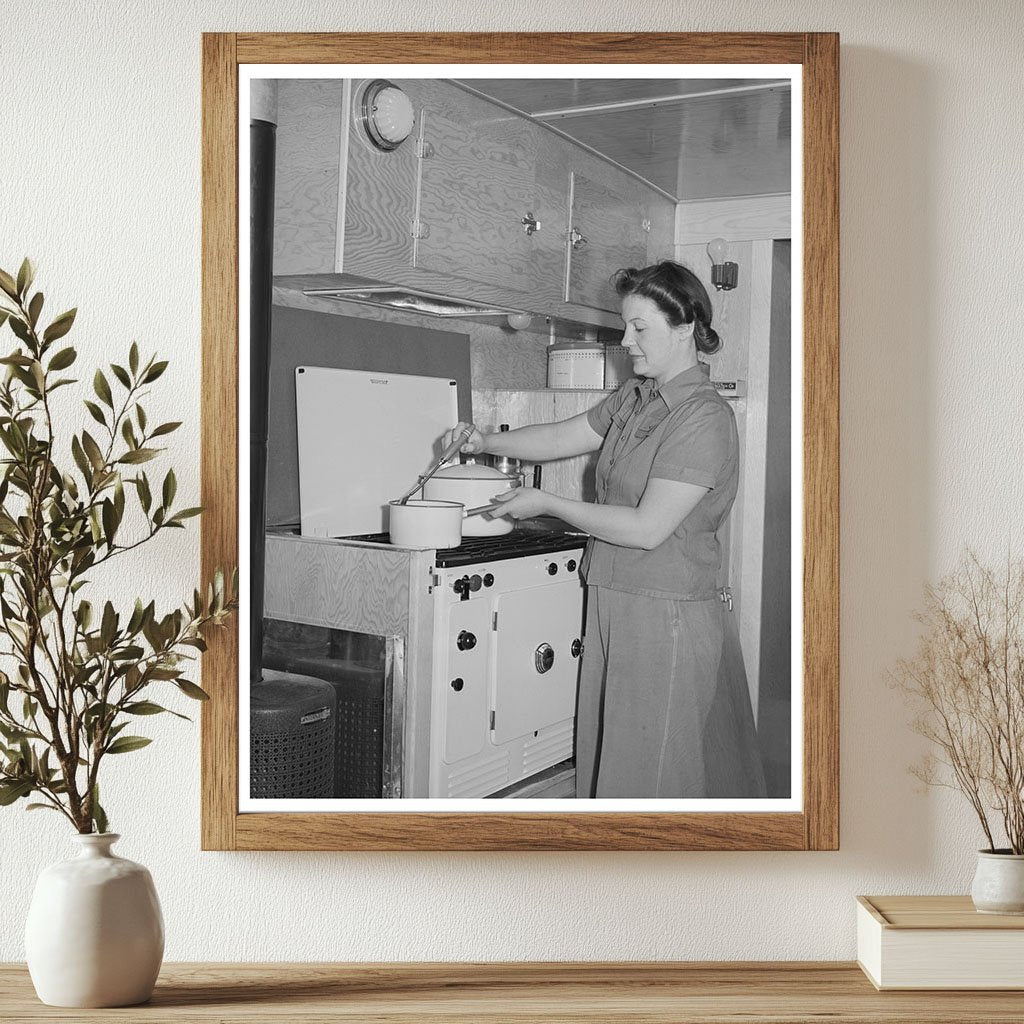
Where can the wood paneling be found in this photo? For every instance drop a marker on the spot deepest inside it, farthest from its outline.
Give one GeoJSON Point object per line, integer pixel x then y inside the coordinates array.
{"type": "Point", "coordinates": [821, 440]}
{"type": "Point", "coordinates": [306, 191]}
{"type": "Point", "coordinates": [219, 429]}
{"type": "Point", "coordinates": [735, 220]}
{"type": "Point", "coordinates": [481, 993]}
{"type": "Point", "coordinates": [816, 827]}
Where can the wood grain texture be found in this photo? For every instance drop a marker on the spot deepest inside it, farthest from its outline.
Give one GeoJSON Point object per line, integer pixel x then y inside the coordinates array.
{"type": "Point", "coordinates": [521, 47]}
{"type": "Point", "coordinates": [821, 440]}
{"type": "Point", "coordinates": [219, 429]}
{"type": "Point", "coordinates": [817, 826]}
{"type": "Point", "coordinates": [936, 912]}
{"type": "Point", "coordinates": [440, 830]}
{"type": "Point", "coordinates": [745, 219]}
{"type": "Point", "coordinates": [537, 993]}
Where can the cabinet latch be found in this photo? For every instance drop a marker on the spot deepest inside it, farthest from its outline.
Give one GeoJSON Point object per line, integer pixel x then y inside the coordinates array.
{"type": "Point", "coordinates": [424, 149]}
{"type": "Point", "coordinates": [420, 229]}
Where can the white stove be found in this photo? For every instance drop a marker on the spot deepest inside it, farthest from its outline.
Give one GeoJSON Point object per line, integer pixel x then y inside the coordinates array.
{"type": "Point", "coordinates": [507, 646]}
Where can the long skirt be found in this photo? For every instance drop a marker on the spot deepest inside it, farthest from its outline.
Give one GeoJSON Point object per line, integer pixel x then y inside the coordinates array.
{"type": "Point", "coordinates": [663, 710]}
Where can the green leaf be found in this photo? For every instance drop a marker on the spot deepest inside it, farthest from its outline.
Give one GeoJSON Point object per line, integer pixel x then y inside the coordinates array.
{"type": "Point", "coordinates": [34, 308]}
{"type": "Point", "coordinates": [140, 415]}
{"type": "Point", "coordinates": [125, 744]}
{"type": "Point", "coordinates": [92, 449]}
{"type": "Point", "coordinates": [191, 690]}
{"type": "Point", "coordinates": [138, 455]}
{"type": "Point", "coordinates": [99, 816]}
{"type": "Point", "coordinates": [121, 374]}
{"type": "Point", "coordinates": [170, 488]}
{"type": "Point", "coordinates": [165, 428]}
{"type": "Point", "coordinates": [41, 807]}
{"type": "Point", "coordinates": [109, 521]}
{"type": "Point", "coordinates": [128, 433]}
{"type": "Point", "coordinates": [145, 498]}
{"type": "Point", "coordinates": [63, 359]}
{"type": "Point", "coordinates": [83, 613]}
{"type": "Point", "coordinates": [154, 371]}
{"type": "Point", "coordinates": [8, 284]}
{"type": "Point", "coordinates": [26, 274]}
{"type": "Point", "coordinates": [80, 459]}
{"type": "Point", "coordinates": [20, 328]}
{"type": "Point", "coordinates": [144, 707]}
{"type": "Point", "coordinates": [108, 626]}
{"type": "Point", "coordinates": [95, 412]}
{"type": "Point", "coordinates": [185, 513]}
{"type": "Point", "coordinates": [60, 326]}
{"type": "Point", "coordinates": [14, 790]}
{"type": "Point", "coordinates": [133, 358]}
{"type": "Point", "coordinates": [102, 388]}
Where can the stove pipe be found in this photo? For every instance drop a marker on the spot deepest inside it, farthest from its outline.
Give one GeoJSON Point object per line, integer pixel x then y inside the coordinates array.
{"type": "Point", "coordinates": [262, 148]}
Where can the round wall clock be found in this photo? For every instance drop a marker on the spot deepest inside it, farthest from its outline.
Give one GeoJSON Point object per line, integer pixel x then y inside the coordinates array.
{"type": "Point", "coordinates": [387, 114]}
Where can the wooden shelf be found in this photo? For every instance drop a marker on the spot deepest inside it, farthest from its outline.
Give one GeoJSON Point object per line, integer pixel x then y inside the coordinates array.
{"type": "Point", "coordinates": [699, 993]}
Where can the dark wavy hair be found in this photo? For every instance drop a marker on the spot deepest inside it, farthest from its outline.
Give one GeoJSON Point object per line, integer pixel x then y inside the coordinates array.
{"type": "Point", "coordinates": [678, 293]}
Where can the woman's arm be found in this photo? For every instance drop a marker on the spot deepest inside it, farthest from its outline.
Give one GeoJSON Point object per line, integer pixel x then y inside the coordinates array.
{"type": "Point", "coordinates": [537, 443]}
{"type": "Point", "coordinates": [664, 505]}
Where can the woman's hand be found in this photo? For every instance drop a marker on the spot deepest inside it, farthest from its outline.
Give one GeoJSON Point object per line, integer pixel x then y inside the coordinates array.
{"type": "Point", "coordinates": [473, 445]}
{"type": "Point", "coordinates": [521, 503]}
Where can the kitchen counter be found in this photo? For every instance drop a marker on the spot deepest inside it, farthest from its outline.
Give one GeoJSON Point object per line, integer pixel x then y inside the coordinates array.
{"type": "Point", "coordinates": [477, 993]}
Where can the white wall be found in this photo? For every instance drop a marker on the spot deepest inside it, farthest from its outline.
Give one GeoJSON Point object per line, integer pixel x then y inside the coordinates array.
{"type": "Point", "coordinates": [99, 182]}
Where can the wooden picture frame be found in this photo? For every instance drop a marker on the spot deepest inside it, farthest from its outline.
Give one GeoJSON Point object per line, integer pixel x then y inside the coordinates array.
{"type": "Point", "coordinates": [816, 826]}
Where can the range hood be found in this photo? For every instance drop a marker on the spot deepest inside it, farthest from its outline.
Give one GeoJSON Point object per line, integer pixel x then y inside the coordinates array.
{"type": "Point", "coordinates": [413, 300]}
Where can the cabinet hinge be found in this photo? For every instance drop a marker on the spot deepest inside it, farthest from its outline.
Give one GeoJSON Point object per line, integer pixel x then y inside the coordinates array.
{"type": "Point", "coordinates": [420, 229]}
{"type": "Point", "coordinates": [492, 721]}
{"type": "Point", "coordinates": [424, 149]}
{"type": "Point", "coordinates": [646, 223]}
{"type": "Point", "coordinates": [494, 622]}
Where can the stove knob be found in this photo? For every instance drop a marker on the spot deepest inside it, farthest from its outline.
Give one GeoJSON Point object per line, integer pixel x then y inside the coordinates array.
{"type": "Point", "coordinates": [552, 568]}
{"type": "Point", "coordinates": [475, 583]}
{"type": "Point", "coordinates": [461, 586]}
{"type": "Point", "coordinates": [571, 565]}
{"type": "Point", "coordinates": [576, 649]}
{"type": "Point", "coordinates": [465, 641]}
{"type": "Point", "coordinates": [544, 658]}
{"type": "Point", "coordinates": [458, 684]}
{"type": "Point", "coordinates": [489, 580]}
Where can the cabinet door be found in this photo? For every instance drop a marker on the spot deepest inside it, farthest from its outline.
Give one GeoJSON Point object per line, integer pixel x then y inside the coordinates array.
{"type": "Point", "coordinates": [527, 696]}
{"type": "Point", "coordinates": [476, 186]}
{"type": "Point", "coordinates": [607, 230]}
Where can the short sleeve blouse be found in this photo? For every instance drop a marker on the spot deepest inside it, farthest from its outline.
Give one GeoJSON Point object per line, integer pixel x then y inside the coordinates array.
{"type": "Point", "coordinates": [684, 431]}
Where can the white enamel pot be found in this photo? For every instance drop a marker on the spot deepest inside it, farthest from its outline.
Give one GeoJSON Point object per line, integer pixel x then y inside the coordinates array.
{"type": "Point", "coordinates": [473, 485]}
{"type": "Point", "coordinates": [425, 524]}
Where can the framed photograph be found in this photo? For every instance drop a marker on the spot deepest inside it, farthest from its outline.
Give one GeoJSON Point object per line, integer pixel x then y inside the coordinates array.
{"type": "Point", "coordinates": [616, 257]}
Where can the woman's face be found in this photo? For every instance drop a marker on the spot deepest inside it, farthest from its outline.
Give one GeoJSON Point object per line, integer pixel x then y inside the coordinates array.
{"type": "Point", "coordinates": [658, 349]}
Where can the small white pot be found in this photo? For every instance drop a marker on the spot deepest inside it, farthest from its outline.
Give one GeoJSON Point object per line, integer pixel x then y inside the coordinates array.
{"type": "Point", "coordinates": [473, 485]}
{"type": "Point", "coordinates": [999, 883]}
{"type": "Point", "coordinates": [94, 934]}
{"type": "Point", "coordinates": [425, 524]}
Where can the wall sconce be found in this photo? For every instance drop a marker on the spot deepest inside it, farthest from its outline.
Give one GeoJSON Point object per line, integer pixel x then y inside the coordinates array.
{"type": "Point", "coordinates": [723, 273]}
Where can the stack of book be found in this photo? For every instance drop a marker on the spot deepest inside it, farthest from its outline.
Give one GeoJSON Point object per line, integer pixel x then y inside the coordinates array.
{"type": "Point", "coordinates": [938, 942]}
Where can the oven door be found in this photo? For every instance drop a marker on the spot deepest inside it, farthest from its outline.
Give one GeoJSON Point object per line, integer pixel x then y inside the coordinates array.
{"type": "Point", "coordinates": [536, 658]}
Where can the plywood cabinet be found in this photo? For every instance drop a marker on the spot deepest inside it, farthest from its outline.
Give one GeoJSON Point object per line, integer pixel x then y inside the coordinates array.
{"type": "Point", "coordinates": [479, 203]}
{"type": "Point", "coordinates": [476, 188]}
{"type": "Point", "coordinates": [608, 229]}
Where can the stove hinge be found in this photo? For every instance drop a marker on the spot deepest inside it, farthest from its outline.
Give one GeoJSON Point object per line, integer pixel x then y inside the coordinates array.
{"type": "Point", "coordinates": [435, 580]}
{"type": "Point", "coordinates": [492, 721]}
{"type": "Point", "coordinates": [494, 622]}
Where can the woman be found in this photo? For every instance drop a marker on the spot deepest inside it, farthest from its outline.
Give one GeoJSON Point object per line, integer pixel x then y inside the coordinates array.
{"type": "Point", "coordinates": [663, 710]}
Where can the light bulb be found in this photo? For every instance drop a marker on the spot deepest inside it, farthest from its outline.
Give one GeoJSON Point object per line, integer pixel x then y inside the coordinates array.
{"type": "Point", "coordinates": [519, 321]}
{"type": "Point", "coordinates": [718, 249]}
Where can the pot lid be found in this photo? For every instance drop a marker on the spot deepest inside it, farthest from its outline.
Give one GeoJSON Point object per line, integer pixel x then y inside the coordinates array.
{"type": "Point", "coordinates": [470, 471]}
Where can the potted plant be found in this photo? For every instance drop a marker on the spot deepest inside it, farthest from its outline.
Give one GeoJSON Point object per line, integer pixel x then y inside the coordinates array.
{"type": "Point", "coordinates": [79, 672]}
{"type": "Point", "coordinates": [967, 681]}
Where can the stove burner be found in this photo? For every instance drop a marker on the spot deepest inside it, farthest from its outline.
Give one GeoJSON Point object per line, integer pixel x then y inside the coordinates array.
{"type": "Point", "coordinates": [495, 549]}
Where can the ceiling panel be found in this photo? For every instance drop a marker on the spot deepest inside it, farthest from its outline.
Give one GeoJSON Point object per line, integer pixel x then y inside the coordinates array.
{"type": "Point", "coordinates": [732, 143]}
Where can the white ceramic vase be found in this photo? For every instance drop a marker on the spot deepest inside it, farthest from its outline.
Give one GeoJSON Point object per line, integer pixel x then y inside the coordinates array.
{"type": "Point", "coordinates": [999, 883]}
{"type": "Point", "coordinates": [95, 934]}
